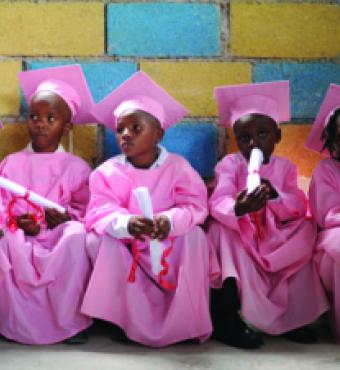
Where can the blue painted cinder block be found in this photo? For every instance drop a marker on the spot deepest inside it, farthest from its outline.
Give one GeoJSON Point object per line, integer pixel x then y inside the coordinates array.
{"type": "Point", "coordinates": [163, 29]}
{"type": "Point", "coordinates": [196, 141]}
{"type": "Point", "coordinates": [308, 83]}
{"type": "Point", "coordinates": [102, 77]}
{"type": "Point", "coordinates": [109, 144]}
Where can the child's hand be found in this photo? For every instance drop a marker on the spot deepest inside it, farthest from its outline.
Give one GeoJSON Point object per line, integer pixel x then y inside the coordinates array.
{"type": "Point", "coordinates": [161, 228]}
{"type": "Point", "coordinates": [139, 226]}
{"type": "Point", "coordinates": [54, 218]}
{"type": "Point", "coordinates": [252, 202]}
{"type": "Point", "coordinates": [27, 223]}
{"type": "Point", "coordinates": [272, 191]}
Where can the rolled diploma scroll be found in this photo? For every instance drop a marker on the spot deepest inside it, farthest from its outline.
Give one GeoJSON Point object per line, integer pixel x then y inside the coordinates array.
{"type": "Point", "coordinates": [143, 197]}
{"type": "Point", "coordinates": [33, 197]}
{"type": "Point", "coordinates": [255, 162]}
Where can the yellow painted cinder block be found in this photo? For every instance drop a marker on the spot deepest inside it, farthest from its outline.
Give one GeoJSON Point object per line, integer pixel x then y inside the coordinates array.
{"type": "Point", "coordinates": [84, 142]}
{"type": "Point", "coordinates": [192, 83]}
{"type": "Point", "coordinates": [14, 137]}
{"type": "Point", "coordinates": [291, 147]}
{"type": "Point", "coordinates": [9, 88]}
{"type": "Point", "coordinates": [57, 29]}
{"type": "Point", "coordinates": [262, 29]}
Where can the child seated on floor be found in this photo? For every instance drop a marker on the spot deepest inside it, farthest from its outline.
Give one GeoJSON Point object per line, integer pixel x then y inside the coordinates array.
{"type": "Point", "coordinates": [47, 269]}
{"type": "Point", "coordinates": [324, 197]}
{"type": "Point", "coordinates": [155, 309]}
{"type": "Point", "coordinates": [262, 244]}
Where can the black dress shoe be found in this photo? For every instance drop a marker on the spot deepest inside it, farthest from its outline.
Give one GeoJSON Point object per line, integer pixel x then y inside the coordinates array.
{"type": "Point", "coordinates": [304, 335]}
{"type": "Point", "coordinates": [117, 334]}
{"type": "Point", "coordinates": [79, 338]}
{"type": "Point", "coordinates": [4, 339]}
{"type": "Point", "coordinates": [234, 332]}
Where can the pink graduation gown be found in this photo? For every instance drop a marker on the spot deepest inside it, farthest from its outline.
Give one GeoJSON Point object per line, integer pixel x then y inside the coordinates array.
{"type": "Point", "coordinates": [324, 195]}
{"type": "Point", "coordinates": [148, 313]}
{"type": "Point", "coordinates": [278, 284]}
{"type": "Point", "coordinates": [43, 278]}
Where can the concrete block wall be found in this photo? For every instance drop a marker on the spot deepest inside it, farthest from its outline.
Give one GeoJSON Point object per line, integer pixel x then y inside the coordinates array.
{"type": "Point", "coordinates": [188, 47]}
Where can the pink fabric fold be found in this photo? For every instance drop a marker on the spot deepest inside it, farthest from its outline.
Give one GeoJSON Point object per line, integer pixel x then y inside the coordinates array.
{"type": "Point", "coordinates": [43, 278]}
{"type": "Point", "coordinates": [148, 314]}
{"type": "Point", "coordinates": [279, 286]}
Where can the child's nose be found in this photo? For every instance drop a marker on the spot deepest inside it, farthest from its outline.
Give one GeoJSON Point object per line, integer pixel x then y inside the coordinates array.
{"type": "Point", "coordinates": [126, 132]}
{"type": "Point", "coordinates": [40, 123]}
{"type": "Point", "coordinates": [252, 143]}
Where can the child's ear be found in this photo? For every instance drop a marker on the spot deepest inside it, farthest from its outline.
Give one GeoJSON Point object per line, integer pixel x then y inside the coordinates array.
{"type": "Point", "coordinates": [67, 128]}
{"type": "Point", "coordinates": [278, 135]}
{"type": "Point", "coordinates": [160, 134]}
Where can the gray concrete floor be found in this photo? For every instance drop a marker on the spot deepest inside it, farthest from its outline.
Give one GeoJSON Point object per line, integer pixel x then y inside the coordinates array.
{"type": "Point", "coordinates": [103, 353]}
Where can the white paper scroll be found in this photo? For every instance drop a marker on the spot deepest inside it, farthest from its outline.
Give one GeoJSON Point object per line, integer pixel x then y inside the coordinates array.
{"type": "Point", "coordinates": [143, 197]}
{"type": "Point", "coordinates": [255, 162]}
{"type": "Point", "coordinates": [33, 197]}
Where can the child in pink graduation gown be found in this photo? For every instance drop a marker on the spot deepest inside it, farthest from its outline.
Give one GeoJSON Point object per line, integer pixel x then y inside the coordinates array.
{"type": "Point", "coordinates": [155, 310]}
{"type": "Point", "coordinates": [43, 281]}
{"type": "Point", "coordinates": [324, 196]}
{"type": "Point", "coordinates": [262, 243]}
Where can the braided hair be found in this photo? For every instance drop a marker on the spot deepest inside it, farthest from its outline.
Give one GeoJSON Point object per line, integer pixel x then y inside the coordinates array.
{"type": "Point", "coordinates": [329, 132]}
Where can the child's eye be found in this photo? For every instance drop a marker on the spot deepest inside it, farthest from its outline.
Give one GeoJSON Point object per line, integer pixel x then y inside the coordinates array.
{"type": "Point", "coordinates": [51, 119]}
{"type": "Point", "coordinates": [34, 117]}
{"type": "Point", "coordinates": [137, 128]}
{"type": "Point", "coordinates": [263, 134]}
{"type": "Point", "coordinates": [243, 138]}
{"type": "Point", "coordinates": [119, 130]}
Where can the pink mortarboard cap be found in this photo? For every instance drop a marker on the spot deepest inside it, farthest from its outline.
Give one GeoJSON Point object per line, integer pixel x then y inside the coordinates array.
{"type": "Point", "coordinates": [139, 92]}
{"type": "Point", "coordinates": [268, 98]}
{"type": "Point", "coordinates": [66, 81]}
{"type": "Point", "coordinates": [330, 103]}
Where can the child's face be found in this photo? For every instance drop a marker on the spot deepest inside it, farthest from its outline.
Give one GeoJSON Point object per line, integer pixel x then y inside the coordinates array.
{"type": "Point", "coordinates": [256, 130]}
{"type": "Point", "coordinates": [336, 140]}
{"type": "Point", "coordinates": [138, 135]}
{"type": "Point", "coordinates": [49, 119]}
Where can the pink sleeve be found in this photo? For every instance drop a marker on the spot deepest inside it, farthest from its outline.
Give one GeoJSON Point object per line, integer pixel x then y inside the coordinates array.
{"type": "Point", "coordinates": [190, 196]}
{"type": "Point", "coordinates": [324, 197]}
{"type": "Point", "coordinates": [292, 202]}
{"type": "Point", "coordinates": [79, 188]}
{"type": "Point", "coordinates": [222, 200]}
{"type": "Point", "coordinates": [107, 199]}
{"type": "Point", "coordinates": [2, 210]}
{"type": "Point", "coordinates": [5, 195]}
